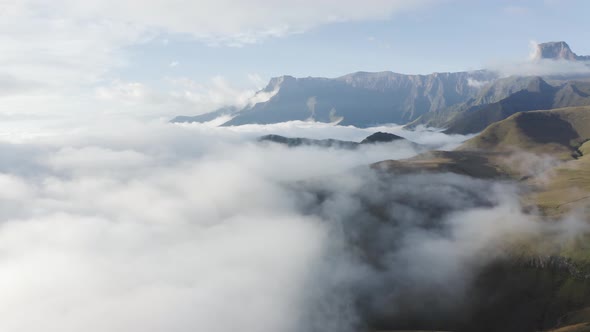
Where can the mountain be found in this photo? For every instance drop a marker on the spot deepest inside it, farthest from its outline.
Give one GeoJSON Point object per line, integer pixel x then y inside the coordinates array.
{"type": "Point", "coordinates": [559, 132]}
{"type": "Point", "coordinates": [462, 102]}
{"type": "Point", "coordinates": [489, 93]}
{"type": "Point", "coordinates": [361, 99]}
{"type": "Point", "coordinates": [538, 95]}
{"type": "Point", "coordinates": [543, 282]}
{"type": "Point", "coordinates": [378, 137]}
{"type": "Point", "coordinates": [559, 50]}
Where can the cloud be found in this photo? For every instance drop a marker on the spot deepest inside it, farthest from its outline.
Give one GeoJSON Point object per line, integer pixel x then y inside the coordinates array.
{"type": "Point", "coordinates": [56, 54]}
{"type": "Point", "coordinates": [158, 234]}
{"type": "Point", "coordinates": [69, 41]}
{"type": "Point", "coordinates": [163, 227]}
{"type": "Point", "coordinates": [182, 95]}
{"type": "Point", "coordinates": [477, 84]}
{"type": "Point", "coordinates": [234, 22]}
{"type": "Point", "coordinates": [533, 66]}
{"type": "Point", "coordinates": [543, 67]}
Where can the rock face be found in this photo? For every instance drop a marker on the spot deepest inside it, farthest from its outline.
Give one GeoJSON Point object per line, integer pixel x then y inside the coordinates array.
{"type": "Point", "coordinates": [462, 102]}
{"type": "Point", "coordinates": [361, 99]}
{"type": "Point", "coordinates": [557, 51]}
{"type": "Point", "coordinates": [522, 94]}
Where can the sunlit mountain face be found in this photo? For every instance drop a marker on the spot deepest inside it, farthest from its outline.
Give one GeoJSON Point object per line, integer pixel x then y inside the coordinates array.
{"type": "Point", "coordinates": [327, 166]}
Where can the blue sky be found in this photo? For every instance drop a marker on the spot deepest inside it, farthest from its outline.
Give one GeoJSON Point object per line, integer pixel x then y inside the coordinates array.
{"type": "Point", "coordinates": [164, 57]}
{"type": "Point", "coordinates": [445, 36]}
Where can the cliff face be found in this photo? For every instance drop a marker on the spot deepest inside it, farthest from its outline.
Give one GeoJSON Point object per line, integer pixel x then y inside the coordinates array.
{"type": "Point", "coordinates": [557, 51]}
{"type": "Point", "coordinates": [365, 99]}
{"type": "Point", "coordinates": [362, 99]}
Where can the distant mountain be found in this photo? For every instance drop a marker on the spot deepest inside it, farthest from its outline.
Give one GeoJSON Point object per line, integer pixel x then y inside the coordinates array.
{"type": "Point", "coordinates": [538, 95]}
{"type": "Point", "coordinates": [506, 96]}
{"type": "Point", "coordinates": [360, 99]}
{"type": "Point", "coordinates": [378, 137]}
{"type": "Point", "coordinates": [462, 102]}
{"type": "Point", "coordinates": [490, 93]}
{"type": "Point", "coordinates": [559, 50]}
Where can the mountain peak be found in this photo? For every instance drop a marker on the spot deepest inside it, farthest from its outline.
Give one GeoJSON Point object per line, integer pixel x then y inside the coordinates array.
{"type": "Point", "coordinates": [277, 82]}
{"type": "Point", "coordinates": [557, 50]}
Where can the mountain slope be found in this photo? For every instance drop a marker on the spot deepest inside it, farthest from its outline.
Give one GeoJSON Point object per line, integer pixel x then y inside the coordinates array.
{"type": "Point", "coordinates": [361, 99]}
{"type": "Point", "coordinates": [490, 93]}
{"type": "Point", "coordinates": [558, 131]}
{"type": "Point", "coordinates": [559, 50]}
{"type": "Point", "coordinates": [538, 95]}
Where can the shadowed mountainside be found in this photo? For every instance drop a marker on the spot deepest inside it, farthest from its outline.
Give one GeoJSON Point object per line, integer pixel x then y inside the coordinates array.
{"type": "Point", "coordinates": [361, 99]}
{"type": "Point", "coordinates": [378, 137]}
{"type": "Point", "coordinates": [536, 94]}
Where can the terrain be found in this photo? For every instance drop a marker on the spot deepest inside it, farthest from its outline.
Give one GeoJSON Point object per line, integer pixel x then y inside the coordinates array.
{"type": "Point", "coordinates": [378, 137]}
{"type": "Point", "coordinates": [461, 102]}
{"type": "Point", "coordinates": [531, 281]}
{"type": "Point", "coordinates": [543, 283]}
{"type": "Point", "coordinates": [559, 50]}
{"type": "Point", "coordinates": [361, 99]}
{"type": "Point", "coordinates": [533, 142]}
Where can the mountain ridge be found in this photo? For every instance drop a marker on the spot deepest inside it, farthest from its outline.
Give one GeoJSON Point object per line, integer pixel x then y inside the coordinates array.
{"type": "Point", "coordinates": [447, 100]}
{"type": "Point", "coordinates": [557, 50]}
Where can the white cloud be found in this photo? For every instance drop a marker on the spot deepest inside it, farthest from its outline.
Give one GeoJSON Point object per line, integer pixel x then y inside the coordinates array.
{"type": "Point", "coordinates": [543, 67]}
{"type": "Point", "coordinates": [179, 96]}
{"type": "Point", "coordinates": [232, 20]}
{"type": "Point", "coordinates": [54, 54]}
{"type": "Point", "coordinates": [163, 227]}
{"type": "Point", "coordinates": [477, 84]}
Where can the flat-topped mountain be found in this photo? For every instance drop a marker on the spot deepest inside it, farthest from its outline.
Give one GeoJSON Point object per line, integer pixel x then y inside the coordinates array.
{"type": "Point", "coordinates": [559, 50]}
{"type": "Point", "coordinates": [361, 99]}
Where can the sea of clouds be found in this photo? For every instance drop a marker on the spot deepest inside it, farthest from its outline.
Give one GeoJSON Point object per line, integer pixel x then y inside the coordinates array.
{"type": "Point", "coordinates": [149, 227]}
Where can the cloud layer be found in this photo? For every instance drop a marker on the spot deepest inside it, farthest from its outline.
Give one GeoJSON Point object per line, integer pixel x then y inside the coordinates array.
{"type": "Point", "coordinates": [159, 227]}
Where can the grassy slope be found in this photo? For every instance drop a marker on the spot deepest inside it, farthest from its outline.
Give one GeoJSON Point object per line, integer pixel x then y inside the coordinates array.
{"type": "Point", "coordinates": [567, 187]}
{"type": "Point", "coordinates": [562, 134]}
{"type": "Point", "coordinates": [556, 132]}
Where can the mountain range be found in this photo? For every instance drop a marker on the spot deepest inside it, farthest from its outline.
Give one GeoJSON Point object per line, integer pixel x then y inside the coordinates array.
{"type": "Point", "coordinates": [455, 101]}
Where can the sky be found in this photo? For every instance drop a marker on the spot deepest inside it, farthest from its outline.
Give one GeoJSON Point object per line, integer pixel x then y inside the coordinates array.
{"type": "Point", "coordinates": [160, 58]}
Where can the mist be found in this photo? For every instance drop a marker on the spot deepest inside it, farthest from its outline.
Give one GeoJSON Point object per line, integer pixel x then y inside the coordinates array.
{"type": "Point", "coordinates": [149, 226]}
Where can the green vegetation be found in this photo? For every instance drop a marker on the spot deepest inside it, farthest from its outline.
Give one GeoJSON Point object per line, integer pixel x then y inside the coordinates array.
{"type": "Point", "coordinates": [546, 278]}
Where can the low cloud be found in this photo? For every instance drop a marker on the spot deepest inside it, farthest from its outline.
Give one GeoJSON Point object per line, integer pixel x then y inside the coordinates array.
{"type": "Point", "coordinates": [163, 227]}
{"type": "Point", "coordinates": [183, 95]}
{"type": "Point", "coordinates": [477, 84]}
{"type": "Point", "coordinates": [543, 67]}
